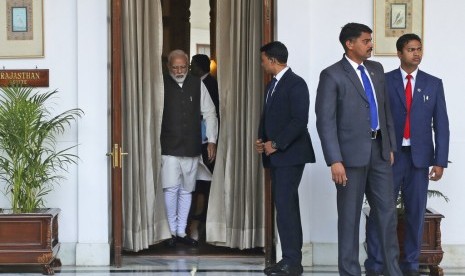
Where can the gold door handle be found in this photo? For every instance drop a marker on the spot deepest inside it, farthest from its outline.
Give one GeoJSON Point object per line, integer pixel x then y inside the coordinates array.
{"type": "Point", "coordinates": [115, 158]}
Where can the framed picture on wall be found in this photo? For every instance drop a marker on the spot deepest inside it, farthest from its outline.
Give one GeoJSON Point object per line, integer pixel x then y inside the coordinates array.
{"type": "Point", "coordinates": [393, 18]}
{"type": "Point", "coordinates": [203, 49]}
{"type": "Point", "coordinates": [21, 29]}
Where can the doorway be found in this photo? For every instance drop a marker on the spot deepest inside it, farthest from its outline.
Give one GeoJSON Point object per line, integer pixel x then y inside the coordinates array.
{"type": "Point", "coordinates": [116, 92]}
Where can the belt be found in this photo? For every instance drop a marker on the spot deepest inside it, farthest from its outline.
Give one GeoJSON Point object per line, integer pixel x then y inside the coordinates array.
{"type": "Point", "coordinates": [376, 134]}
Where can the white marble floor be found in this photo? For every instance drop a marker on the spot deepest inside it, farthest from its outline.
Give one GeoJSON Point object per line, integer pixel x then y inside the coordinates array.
{"type": "Point", "coordinates": [186, 266]}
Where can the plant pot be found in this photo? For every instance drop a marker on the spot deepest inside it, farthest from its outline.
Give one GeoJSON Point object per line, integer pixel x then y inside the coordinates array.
{"type": "Point", "coordinates": [30, 239]}
{"type": "Point", "coordinates": [431, 251]}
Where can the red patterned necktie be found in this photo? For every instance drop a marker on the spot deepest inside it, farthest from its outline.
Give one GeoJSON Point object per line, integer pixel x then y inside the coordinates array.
{"type": "Point", "coordinates": [408, 100]}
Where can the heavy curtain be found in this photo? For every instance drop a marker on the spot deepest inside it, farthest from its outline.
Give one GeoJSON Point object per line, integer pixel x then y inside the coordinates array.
{"type": "Point", "coordinates": [236, 207]}
{"type": "Point", "coordinates": [144, 221]}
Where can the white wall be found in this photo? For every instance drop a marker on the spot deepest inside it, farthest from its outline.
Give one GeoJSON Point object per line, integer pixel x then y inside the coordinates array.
{"type": "Point", "coordinates": [198, 36]}
{"type": "Point", "coordinates": [76, 53]}
{"type": "Point", "coordinates": [314, 45]}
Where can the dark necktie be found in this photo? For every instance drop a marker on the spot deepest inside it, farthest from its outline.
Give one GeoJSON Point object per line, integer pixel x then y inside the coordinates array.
{"type": "Point", "coordinates": [370, 97]}
{"type": "Point", "coordinates": [408, 101]}
{"type": "Point", "coordinates": [270, 91]}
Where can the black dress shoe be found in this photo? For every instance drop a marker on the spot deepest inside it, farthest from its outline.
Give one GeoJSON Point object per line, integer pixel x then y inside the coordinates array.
{"type": "Point", "coordinates": [373, 273]}
{"type": "Point", "coordinates": [411, 273]}
{"type": "Point", "coordinates": [272, 267]}
{"type": "Point", "coordinates": [285, 269]}
{"type": "Point", "coordinates": [171, 242]}
{"type": "Point", "coordinates": [187, 240]}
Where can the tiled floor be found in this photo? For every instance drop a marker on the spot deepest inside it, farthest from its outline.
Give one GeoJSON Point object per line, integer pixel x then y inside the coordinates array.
{"type": "Point", "coordinates": [186, 266]}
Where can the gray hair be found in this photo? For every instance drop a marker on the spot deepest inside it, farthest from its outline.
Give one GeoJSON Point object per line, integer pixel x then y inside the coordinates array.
{"type": "Point", "coordinates": [177, 53]}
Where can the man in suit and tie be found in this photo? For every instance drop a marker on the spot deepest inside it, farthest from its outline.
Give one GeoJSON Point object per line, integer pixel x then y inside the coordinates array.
{"type": "Point", "coordinates": [357, 136]}
{"type": "Point", "coordinates": [418, 107]}
{"type": "Point", "coordinates": [285, 145]}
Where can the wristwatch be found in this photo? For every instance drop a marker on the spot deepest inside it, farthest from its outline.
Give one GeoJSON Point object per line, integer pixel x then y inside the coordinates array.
{"type": "Point", "coordinates": [273, 145]}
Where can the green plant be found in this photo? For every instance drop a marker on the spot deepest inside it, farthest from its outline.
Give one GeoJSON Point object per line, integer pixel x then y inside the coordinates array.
{"type": "Point", "coordinates": [30, 164]}
{"type": "Point", "coordinates": [431, 193]}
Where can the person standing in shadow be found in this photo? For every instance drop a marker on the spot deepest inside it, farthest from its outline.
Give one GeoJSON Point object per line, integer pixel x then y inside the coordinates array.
{"type": "Point", "coordinates": [200, 67]}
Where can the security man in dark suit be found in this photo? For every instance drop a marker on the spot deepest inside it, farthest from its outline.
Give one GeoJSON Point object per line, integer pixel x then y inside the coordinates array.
{"type": "Point", "coordinates": [284, 142]}
{"type": "Point", "coordinates": [356, 130]}
{"type": "Point", "coordinates": [418, 107]}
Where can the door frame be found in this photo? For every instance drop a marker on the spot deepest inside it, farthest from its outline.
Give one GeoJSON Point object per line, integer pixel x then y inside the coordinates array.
{"type": "Point", "coordinates": [116, 135]}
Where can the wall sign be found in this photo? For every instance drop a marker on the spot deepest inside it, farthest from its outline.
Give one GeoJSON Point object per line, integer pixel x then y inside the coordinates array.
{"type": "Point", "coordinates": [30, 78]}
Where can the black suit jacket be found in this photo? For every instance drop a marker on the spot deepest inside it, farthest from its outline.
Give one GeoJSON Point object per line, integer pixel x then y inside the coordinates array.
{"type": "Point", "coordinates": [284, 120]}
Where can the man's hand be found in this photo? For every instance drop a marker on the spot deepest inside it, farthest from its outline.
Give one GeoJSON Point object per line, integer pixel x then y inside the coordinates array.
{"type": "Point", "coordinates": [211, 149]}
{"type": "Point", "coordinates": [436, 173]}
{"type": "Point", "coordinates": [338, 174]}
{"type": "Point", "coordinates": [259, 146]}
{"type": "Point", "coordinates": [269, 150]}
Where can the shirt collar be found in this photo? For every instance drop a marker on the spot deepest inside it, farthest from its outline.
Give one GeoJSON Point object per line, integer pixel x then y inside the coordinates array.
{"type": "Point", "coordinates": [404, 74]}
{"type": "Point", "coordinates": [353, 63]}
{"type": "Point", "coordinates": [281, 73]}
{"type": "Point", "coordinates": [204, 76]}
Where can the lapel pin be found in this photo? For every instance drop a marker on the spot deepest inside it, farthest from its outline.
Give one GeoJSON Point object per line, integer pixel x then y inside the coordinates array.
{"type": "Point", "coordinates": [419, 89]}
{"type": "Point", "coordinates": [372, 73]}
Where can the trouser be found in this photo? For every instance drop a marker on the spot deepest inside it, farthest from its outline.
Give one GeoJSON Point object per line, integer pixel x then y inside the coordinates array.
{"type": "Point", "coordinates": [413, 182]}
{"type": "Point", "coordinates": [285, 185]}
{"type": "Point", "coordinates": [375, 181]}
{"type": "Point", "coordinates": [177, 205]}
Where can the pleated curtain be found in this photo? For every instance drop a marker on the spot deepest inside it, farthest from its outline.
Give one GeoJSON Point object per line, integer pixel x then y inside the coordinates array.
{"type": "Point", "coordinates": [235, 215]}
{"type": "Point", "coordinates": [144, 219]}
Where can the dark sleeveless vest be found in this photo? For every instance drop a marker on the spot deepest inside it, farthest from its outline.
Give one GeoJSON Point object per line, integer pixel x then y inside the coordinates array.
{"type": "Point", "coordinates": [180, 130]}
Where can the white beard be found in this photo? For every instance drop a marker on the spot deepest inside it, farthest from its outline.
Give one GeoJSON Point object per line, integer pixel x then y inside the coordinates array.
{"type": "Point", "coordinates": [179, 80]}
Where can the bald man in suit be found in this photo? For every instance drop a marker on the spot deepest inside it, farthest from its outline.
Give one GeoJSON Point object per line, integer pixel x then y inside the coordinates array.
{"type": "Point", "coordinates": [357, 136]}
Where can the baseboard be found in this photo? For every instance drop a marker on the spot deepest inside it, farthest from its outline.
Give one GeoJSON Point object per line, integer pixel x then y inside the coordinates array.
{"type": "Point", "coordinates": [307, 254]}
{"type": "Point", "coordinates": [67, 253]}
{"type": "Point", "coordinates": [454, 255]}
{"type": "Point", "coordinates": [326, 254]}
{"type": "Point", "coordinates": [92, 254]}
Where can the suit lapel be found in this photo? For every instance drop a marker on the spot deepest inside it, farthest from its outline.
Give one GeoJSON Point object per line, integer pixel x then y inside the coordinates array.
{"type": "Point", "coordinates": [353, 77]}
{"type": "Point", "coordinates": [374, 80]}
{"type": "Point", "coordinates": [399, 87]}
{"type": "Point", "coordinates": [278, 86]}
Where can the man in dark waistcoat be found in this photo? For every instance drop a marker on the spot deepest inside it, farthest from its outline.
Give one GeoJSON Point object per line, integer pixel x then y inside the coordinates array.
{"type": "Point", "coordinates": [186, 100]}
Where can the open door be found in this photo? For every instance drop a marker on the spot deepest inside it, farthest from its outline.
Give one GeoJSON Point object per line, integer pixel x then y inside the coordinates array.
{"type": "Point", "coordinates": [116, 135]}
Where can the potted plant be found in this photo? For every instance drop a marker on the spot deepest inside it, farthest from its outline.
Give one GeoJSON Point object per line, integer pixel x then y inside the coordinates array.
{"type": "Point", "coordinates": [431, 250]}
{"type": "Point", "coordinates": [30, 165]}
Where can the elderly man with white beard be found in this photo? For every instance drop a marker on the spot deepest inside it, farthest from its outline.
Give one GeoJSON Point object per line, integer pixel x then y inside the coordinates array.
{"type": "Point", "coordinates": [186, 101]}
